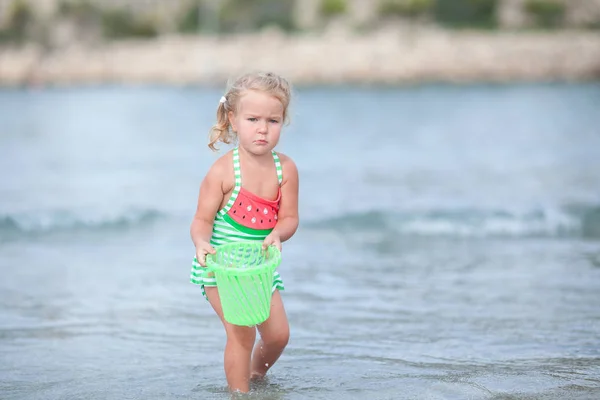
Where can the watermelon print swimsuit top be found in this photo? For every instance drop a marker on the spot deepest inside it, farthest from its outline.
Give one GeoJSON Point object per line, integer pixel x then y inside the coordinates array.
{"type": "Point", "coordinates": [245, 217]}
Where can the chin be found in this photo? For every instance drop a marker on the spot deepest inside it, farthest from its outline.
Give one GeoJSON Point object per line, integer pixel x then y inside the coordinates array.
{"type": "Point", "coordinates": [259, 150]}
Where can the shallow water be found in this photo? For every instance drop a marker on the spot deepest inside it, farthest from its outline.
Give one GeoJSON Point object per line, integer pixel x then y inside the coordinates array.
{"type": "Point", "coordinates": [449, 246]}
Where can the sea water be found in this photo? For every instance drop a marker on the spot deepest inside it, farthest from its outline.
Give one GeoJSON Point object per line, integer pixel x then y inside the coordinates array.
{"type": "Point", "coordinates": [449, 244]}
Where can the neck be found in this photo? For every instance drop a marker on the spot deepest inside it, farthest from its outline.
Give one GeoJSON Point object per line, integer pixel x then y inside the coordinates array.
{"type": "Point", "coordinates": [256, 159]}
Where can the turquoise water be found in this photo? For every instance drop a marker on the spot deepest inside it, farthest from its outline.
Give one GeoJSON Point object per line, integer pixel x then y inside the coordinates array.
{"type": "Point", "coordinates": [449, 245]}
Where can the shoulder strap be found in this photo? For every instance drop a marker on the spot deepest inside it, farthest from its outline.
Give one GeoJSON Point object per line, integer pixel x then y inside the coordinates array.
{"type": "Point", "coordinates": [238, 182]}
{"type": "Point", "coordinates": [278, 167]}
{"type": "Point", "coordinates": [237, 171]}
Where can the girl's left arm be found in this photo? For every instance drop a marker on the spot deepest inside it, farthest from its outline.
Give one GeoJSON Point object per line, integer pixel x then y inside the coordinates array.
{"type": "Point", "coordinates": [287, 219]}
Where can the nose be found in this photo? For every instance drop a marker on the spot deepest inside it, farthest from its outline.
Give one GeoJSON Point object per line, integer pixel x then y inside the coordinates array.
{"type": "Point", "coordinates": [262, 127]}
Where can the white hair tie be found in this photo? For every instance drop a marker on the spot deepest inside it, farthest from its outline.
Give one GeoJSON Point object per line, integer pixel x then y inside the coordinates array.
{"type": "Point", "coordinates": [223, 100]}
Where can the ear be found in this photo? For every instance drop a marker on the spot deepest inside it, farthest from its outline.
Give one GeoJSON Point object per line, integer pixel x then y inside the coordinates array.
{"type": "Point", "coordinates": [231, 117]}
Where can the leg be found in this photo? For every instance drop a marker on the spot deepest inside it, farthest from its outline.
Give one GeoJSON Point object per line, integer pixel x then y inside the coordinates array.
{"type": "Point", "coordinates": [274, 336]}
{"type": "Point", "coordinates": [238, 349]}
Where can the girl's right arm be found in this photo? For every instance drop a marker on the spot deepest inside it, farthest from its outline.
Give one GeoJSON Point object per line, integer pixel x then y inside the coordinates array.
{"type": "Point", "coordinates": [209, 200]}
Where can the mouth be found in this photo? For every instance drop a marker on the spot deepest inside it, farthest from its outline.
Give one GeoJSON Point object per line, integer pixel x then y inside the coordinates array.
{"type": "Point", "coordinates": [261, 142]}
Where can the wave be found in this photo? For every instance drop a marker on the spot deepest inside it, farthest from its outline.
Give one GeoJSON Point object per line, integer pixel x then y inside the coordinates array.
{"type": "Point", "coordinates": [568, 221]}
{"type": "Point", "coordinates": [35, 223]}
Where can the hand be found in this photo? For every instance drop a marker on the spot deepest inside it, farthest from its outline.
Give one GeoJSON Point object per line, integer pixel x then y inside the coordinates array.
{"type": "Point", "coordinates": [272, 239]}
{"type": "Point", "coordinates": [202, 250]}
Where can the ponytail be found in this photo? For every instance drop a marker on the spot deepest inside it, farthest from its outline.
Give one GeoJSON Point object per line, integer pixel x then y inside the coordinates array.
{"type": "Point", "coordinates": [221, 132]}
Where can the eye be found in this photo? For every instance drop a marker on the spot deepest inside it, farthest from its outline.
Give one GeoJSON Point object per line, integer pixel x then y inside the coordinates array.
{"type": "Point", "coordinates": [274, 121]}
{"type": "Point", "coordinates": [252, 119]}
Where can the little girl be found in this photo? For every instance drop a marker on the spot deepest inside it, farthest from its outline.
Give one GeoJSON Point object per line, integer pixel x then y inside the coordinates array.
{"type": "Point", "coordinates": [263, 185]}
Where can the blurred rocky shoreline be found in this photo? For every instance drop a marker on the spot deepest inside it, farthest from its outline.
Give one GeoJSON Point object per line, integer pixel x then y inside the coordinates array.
{"type": "Point", "coordinates": [388, 56]}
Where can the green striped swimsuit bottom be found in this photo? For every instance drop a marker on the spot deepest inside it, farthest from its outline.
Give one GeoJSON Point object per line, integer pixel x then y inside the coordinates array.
{"type": "Point", "coordinates": [245, 217]}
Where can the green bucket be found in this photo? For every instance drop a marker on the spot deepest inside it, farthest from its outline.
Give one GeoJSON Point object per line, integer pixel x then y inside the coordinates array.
{"type": "Point", "coordinates": [244, 275]}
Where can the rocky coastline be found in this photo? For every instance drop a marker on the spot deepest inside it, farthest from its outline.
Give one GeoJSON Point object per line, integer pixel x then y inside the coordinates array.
{"type": "Point", "coordinates": [388, 56]}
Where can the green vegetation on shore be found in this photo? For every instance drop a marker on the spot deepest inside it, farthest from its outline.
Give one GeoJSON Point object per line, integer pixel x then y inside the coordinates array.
{"type": "Point", "coordinates": [22, 23]}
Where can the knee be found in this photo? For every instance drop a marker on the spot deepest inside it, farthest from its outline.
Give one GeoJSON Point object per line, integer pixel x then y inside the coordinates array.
{"type": "Point", "coordinates": [243, 338]}
{"type": "Point", "coordinates": [278, 339]}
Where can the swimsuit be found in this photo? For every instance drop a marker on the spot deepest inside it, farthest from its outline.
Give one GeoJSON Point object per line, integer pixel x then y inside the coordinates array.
{"type": "Point", "coordinates": [245, 217]}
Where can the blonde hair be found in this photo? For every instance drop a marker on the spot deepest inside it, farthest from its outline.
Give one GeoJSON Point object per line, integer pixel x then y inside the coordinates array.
{"type": "Point", "coordinates": [267, 82]}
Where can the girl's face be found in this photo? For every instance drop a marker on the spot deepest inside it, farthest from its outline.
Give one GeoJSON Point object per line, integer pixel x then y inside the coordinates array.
{"type": "Point", "coordinates": [257, 121]}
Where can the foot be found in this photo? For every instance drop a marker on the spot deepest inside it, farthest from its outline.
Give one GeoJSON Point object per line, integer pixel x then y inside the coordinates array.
{"type": "Point", "coordinates": [256, 376]}
{"type": "Point", "coordinates": [258, 382]}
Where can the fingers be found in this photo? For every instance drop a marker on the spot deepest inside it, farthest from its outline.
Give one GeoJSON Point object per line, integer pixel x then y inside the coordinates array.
{"type": "Point", "coordinates": [201, 257]}
{"type": "Point", "coordinates": [201, 253]}
{"type": "Point", "coordinates": [268, 242]}
{"type": "Point", "coordinates": [271, 242]}
{"type": "Point", "coordinates": [207, 249]}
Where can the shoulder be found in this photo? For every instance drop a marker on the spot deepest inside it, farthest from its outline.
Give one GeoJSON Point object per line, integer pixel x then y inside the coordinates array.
{"type": "Point", "coordinates": [290, 170]}
{"type": "Point", "coordinates": [222, 165]}
{"type": "Point", "coordinates": [286, 160]}
{"type": "Point", "coordinates": [222, 168]}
